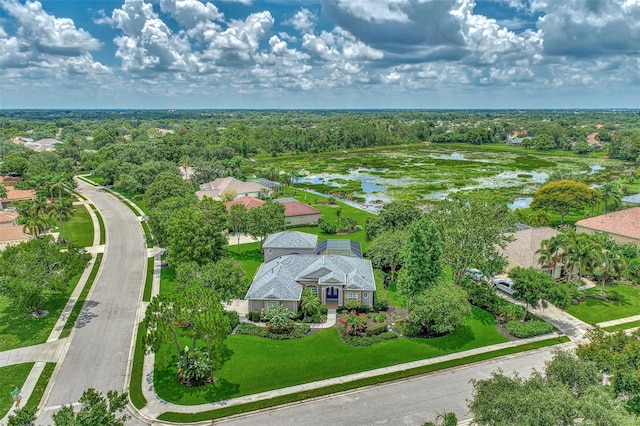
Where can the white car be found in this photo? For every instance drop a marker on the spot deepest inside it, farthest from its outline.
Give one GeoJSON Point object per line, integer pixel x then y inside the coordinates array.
{"type": "Point", "coordinates": [504, 284]}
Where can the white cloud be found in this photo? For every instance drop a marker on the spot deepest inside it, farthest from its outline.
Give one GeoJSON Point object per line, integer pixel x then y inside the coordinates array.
{"type": "Point", "coordinates": [304, 21]}
{"type": "Point", "coordinates": [46, 33]}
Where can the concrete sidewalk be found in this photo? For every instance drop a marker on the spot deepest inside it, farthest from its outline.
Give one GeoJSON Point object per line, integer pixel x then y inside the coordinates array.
{"type": "Point", "coordinates": [619, 321]}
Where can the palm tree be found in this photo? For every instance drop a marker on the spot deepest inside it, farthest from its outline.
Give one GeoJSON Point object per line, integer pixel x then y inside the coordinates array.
{"type": "Point", "coordinates": [34, 222]}
{"type": "Point", "coordinates": [539, 218]}
{"type": "Point", "coordinates": [610, 191]}
{"type": "Point", "coordinates": [309, 303]}
{"type": "Point", "coordinates": [607, 265]}
{"type": "Point", "coordinates": [580, 250]}
{"type": "Point", "coordinates": [61, 209]}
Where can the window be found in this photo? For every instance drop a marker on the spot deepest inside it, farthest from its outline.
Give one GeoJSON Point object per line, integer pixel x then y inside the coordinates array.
{"type": "Point", "coordinates": [352, 296]}
{"type": "Point", "coordinates": [271, 304]}
{"type": "Point", "coordinates": [270, 251]}
{"type": "Point", "coordinates": [288, 220]}
{"type": "Point", "coordinates": [365, 295]}
{"type": "Point", "coordinates": [313, 289]}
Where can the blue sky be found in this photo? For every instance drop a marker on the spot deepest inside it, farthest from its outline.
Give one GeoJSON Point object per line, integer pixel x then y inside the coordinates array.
{"type": "Point", "coordinates": [320, 54]}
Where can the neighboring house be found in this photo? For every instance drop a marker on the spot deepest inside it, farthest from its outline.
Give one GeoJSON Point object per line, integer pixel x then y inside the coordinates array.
{"type": "Point", "coordinates": [623, 226]}
{"type": "Point", "coordinates": [14, 194]}
{"type": "Point", "coordinates": [10, 232]}
{"type": "Point", "coordinates": [242, 189]}
{"type": "Point", "coordinates": [522, 250]}
{"type": "Point", "coordinates": [515, 141]}
{"type": "Point", "coordinates": [291, 266]}
{"type": "Point", "coordinates": [8, 219]}
{"type": "Point", "coordinates": [295, 212]}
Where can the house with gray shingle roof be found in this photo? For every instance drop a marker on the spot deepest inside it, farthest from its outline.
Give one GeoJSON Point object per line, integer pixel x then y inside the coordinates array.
{"type": "Point", "coordinates": [292, 266]}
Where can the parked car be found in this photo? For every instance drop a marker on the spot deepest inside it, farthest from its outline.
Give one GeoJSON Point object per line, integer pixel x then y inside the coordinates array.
{"type": "Point", "coordinates": [474, 274]}
{"type": "Point", "coordinates": [504, 284]}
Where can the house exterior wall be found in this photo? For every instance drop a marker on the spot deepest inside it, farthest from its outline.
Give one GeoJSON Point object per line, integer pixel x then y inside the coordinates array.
{"type": "Point", "coordinates": [308, 219]}
{"type": "Point", "coordinates": [622, 239]}
{"type": "Point", "coordinates": [253, 194]}
{"type": "Point", "coordinates": [277, 252]}
{"type": "Point", "coordinates": [260, 305]}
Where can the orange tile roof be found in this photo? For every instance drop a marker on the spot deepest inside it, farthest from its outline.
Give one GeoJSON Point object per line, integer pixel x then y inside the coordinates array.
{"type": "Point", "coordinates": [623, 222]}
{"type": "Point", "coordinates": [247, 201]}
{"type": "Point", "coordinates": [7, 217]}
{"type": "Point", "coordinates": [12, 233]}
{"type": "Point", "coordinates": [296, 208]}
{"type": "Point", "coordinates": [14, 194]}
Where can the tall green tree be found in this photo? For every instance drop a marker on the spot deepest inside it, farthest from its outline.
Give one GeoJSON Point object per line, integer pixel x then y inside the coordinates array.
{"type": "Point", "coordinates": [471, 231]}
{"type": "Point", "coordinates": [610, 191]}
{"type": "Point", "coordinates": [237, 222]}
{"type": "Point", "coordinates": [196, 233]}
{"type": "Point", "coordinates": [161, 215]}
{"type": "Point", "coordinates": [531, 286]}
{"type": "Point", "coordinates": [33, 272]}
{"type": "Point", "coordinates": [95, 409]}
{"type": "Point", "coordinates": [396, 215]}
{"type": "Point", "coordinates": [225, 276]}
{"type": "Point", "coordinates": [385, 251]}
{"type": "Point", "coordinates": [61, 209]}
{"type": "Point", "coordinates": [422, 255]}
{"type": "Point", "coordinates": [563, 196]}
{"type": "Point", "coordinates": [440, 309]}
{"type": "Point", "coordinates": [266, 219]}
{"type": "Point", "coordinates": [167, 185]}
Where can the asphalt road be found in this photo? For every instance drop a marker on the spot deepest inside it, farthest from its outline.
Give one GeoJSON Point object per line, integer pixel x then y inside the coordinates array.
{"type": "Point", "coordinates": [408, 402]}
{"type": "Point", "coordinates": [99, 352]}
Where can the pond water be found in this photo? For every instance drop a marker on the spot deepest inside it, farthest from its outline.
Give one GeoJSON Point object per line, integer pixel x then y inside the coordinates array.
{"type": "Point", "coordinates": [520, 203]}
{"type": "Point", "coordinates": [458, 156]}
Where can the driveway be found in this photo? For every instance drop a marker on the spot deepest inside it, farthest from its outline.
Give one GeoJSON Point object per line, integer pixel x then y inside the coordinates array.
{"type": "Point", "coordinates": [98, 355]}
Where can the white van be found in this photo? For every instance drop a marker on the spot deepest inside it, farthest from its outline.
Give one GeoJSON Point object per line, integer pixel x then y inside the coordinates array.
{"type": "Point", "coordinates": [504, 284]}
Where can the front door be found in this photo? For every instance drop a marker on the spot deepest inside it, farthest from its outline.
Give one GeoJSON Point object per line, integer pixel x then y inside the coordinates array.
{"type": "Point", "coordinates": [332, 293]}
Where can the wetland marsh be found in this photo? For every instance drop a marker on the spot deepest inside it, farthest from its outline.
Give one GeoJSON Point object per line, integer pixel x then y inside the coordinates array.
{"type": "Point", "coordinates": [429, 172]}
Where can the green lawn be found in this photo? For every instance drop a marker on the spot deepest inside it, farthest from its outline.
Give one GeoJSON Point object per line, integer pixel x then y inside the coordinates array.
{"type": "Point", "coordinates": [623, 326]}
{"type": "Point", "coordinates": [41, 386]}
{"type": "Point", "coordinates": [256, 364]}
{"type": "Point", "coordinates": [168, 281]}
{"type": "Point", "coordinates": [79, 229]}
{"type": "Point", "coordinates": [10, 377]}
{"type": "Point", "coordinates": [595, 309]}
{"type": "Point", "coordinates": [17, 330]}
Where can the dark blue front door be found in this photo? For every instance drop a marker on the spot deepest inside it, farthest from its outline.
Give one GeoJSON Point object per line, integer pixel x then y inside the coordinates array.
{"type": "Point", "coordinates": [332, 293]}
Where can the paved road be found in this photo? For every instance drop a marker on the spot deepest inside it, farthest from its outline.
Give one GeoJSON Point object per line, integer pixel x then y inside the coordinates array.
{"type": "Point", "coordinates": [99, 352]}
{"type": "Point", "coordinates": [409, 402]}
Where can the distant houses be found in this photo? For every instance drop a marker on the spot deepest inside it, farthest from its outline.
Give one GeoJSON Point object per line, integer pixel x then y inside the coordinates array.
{"type": "Point", "coordinates": [295, 212]}
{"type": "Point", "coordinates": [14, 194]}
{"type": "Point", "coordinates": [215, 188]}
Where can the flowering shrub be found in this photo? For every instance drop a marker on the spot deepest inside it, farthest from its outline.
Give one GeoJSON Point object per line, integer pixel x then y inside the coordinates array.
{"type": "Point", "coordinates": [353, 324]}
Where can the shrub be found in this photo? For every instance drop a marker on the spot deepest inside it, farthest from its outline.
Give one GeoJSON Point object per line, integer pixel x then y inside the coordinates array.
{"type": "Point", "coordinates": [254, 316]}
{"type": "Point", "coordinates": [234, 319]}
{"type": "Point", "coordinates": [298, 331]}
{"type": "Point", "coordinates": [323, 309]}
{"type": "Point", "coordinates": [327, 227]}
{"type": "Point", "coordinates": [353, 324]}
{"type": "Point", "coordinates": [374, 330]}
{"type": "Point", "coordinates": [351, 304]}
{"type": "Point", "coordinates": [194, 368]}
{"type": "Point", "coordinates": [613, 296]}
{"type": "Point", "coordinates": [278, 319]}
{"type": "Point", "coordinates": [509, 311]}
{"type": "Point", "coordinates": [347, 224]}
{"type": "Point", "coordinates": [529, 328]}
{"type": "Point", "coordinates": [366, 340]}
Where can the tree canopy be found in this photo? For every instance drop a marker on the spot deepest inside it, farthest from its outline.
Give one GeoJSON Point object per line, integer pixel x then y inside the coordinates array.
{"type": "Point", "coordinates": [562, 196]}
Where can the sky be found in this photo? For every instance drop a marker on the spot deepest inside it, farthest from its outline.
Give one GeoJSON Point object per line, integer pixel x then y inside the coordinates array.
{"type": "Point", "coordinates": [326, 54]}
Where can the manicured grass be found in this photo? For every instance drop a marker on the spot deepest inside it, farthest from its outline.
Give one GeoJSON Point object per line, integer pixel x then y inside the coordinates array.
{"type": "Point", "coordinates": [79, 229]}
{"type": "Point", "coordinates": [41, 386]}
{"type": "Point", "coordinates": [147, 234]}
{"type": "Point", "coordinates": [623, 326]}
{"type": "Point", "coordinates": [73, 316]}
{"type": "Point", "coordinates": [135, 385]}
{"type": "Point", "coordinates": [595, 309]}
{"type": "Point", "coordinates": [10, 377]}
{"type": "Point", "coordinates": [148, 281]}
{"type": "Point", "coordinates": [394, 298]}
{"type": "Point", "coordinates": [276, 364]}
{"type": "Point", "coordinates": [103, 230]}
{"type": "Point", "coordinates": [250, 257]}
{"type": "Point", "coordinates": [330, 390]}
{"type": "Point", "coordinates": [168, 281]}
{"type": "Point", "coordinates": [17, 330]}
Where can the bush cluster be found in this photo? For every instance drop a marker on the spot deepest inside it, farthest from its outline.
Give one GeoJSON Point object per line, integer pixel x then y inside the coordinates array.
{"type": "Point", "coordinates": [234, 319]}
{"type": "Point", "coordinates": [366, 340]}
{"type": "Point", "coordinates": [254, 316]}
{"type": "Point", "coordinates": [529, 328]}
{"type": "Point", "coordinates": [298, 331]}
{"type": "Point", "coordinates": [351, 307]}
{"type": "Point", "coordinates": [374, 330]}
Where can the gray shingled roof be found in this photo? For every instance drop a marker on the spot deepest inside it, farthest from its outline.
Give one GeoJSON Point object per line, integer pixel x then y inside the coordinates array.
{"type": "Point", "coordinates": [291, 239]}
{"type": "Point", "coordinates": [278, 279]}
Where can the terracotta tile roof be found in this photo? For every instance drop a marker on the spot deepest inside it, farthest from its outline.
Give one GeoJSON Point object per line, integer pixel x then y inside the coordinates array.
{"type": "Point", "coordinates": [623, 222]}
{"type": "Point", "coordinates": [7, 217]}
{"type": "Point", "coordinates": [12, 233]}
{"type": "Point", "coordinates": [8, 180]}
{"type": "Point", "coordinates": [296, 208]}
{"type": "Point", "coordinates": [247, 201]}
{"type": "Point", "coordinates": [522, 250]}
{"type": "Point", "coordinates": [218, 186]}
{"type": "Point", "coordinates": [14, 194]}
